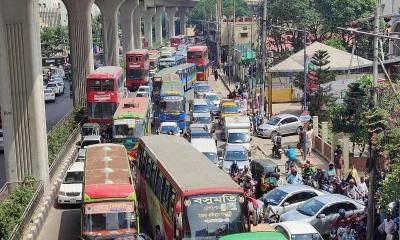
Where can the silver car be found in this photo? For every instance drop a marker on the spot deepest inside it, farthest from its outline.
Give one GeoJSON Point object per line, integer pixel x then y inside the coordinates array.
{"type": "Point", "coordinates": [285, 198]}
{"type": "Point", "coordinates": [321, 211]}
{"type": "Point", "coordinates": [283, 123]}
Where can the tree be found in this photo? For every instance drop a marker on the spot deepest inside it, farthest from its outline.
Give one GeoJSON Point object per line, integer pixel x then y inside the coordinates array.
{"type": "Point", "coordinates": [97, 27]}
{"type": "Point", "coordinates": [53, 40]}
{"type": "Point", "coordinates": [204, 9]}
{"type": "Point", "coordinates": [318, 94]}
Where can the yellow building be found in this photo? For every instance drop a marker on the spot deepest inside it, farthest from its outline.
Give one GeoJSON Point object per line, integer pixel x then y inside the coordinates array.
{"type": "Point", "coordinates": [245, 31]}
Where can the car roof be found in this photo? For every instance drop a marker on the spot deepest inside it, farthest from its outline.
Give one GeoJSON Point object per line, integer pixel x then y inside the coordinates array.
{"type": "Point", "coordinates": [235, 147]}
{"type": "Point", "coordinates": [199, 101]}
{"type": "Point", "coordinates": [204, 144]}
{"type": "Point", "coordinates": [197, 129]}
{"type": "Point", "coordinates": [333, 198]}
{"type": "Point", "coordinates": [92, 137]}
{"type": "Point", "coordinates": [76, 167]}
{"type": "Point", "coordinates": [297, 227]}
{"type": "Point", "coordinates": [285, 115]}
{"type": "Point", "coordinates": [174, 124]}
{"type": "Point", "coordinates": [296, 187]}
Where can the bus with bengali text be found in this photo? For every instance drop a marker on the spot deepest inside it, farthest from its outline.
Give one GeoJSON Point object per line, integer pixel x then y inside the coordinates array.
{"type": "Point", "coordinates": [199, 56]}
{"type": "Point", "coordinates": [171, 61]}
{"type": "Point", "coordinates": [137, 68]}
{"type": "Point", "coordinates": [166, 52]}
{"type": "Point", "coordinates": [104, 88]}
{"type": "Point", "coordinates": [172, 101]}
{"type": "Point", "coordinates": [175, 41]}
{"type": "Point", "coordinates": [185, 194]}
{"type": "Point", "coordinates": [109, 197]}
{"type": "Point", "coordinates": [132, 120]}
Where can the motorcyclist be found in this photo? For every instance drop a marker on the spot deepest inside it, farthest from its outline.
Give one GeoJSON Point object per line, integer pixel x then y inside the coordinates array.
{"type": "Point", "coordinates": [342, 216]}
{"type": "Point", "coordinates": [293, 178]}
{"type": "Point", "coordinates": [234, 169]}
{"type": "Point", "coordinates": [246, 172]}
{"type": "Point", "coordinates": [277, 141]}
{"type": "Point", "coordinates": [248, 185]}
{"type": "Point", "coordinates": [291, 154]}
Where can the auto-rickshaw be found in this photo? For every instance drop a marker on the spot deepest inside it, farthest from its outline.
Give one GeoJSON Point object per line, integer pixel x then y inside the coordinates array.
{"type": "Point", "coordinates": [90, 129]}
{"type": "Point", "coordinates": [258, 167]}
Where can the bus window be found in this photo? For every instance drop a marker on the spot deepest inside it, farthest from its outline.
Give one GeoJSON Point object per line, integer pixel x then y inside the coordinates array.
{"type": "Point", "coordinates": [194, 55]}
{"type": "Point", "coordinates": [94, 85]}
{"type": "Point", "coordinates": [149, 167]}
{"type": "Point", "coordinates": [172, 203]}
{"type": "Point", "coordinates": [166, 193]}
{"type": "Point", "coordinates": [107, 85]}
{"type": "Point", "coordinates": [160, 183]}
{"type": "Point", "coordinates": [153, 177]}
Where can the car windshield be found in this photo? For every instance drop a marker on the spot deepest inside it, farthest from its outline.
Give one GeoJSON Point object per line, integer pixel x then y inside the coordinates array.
{"type": "Point", "coordinates": [203, 88]}
{"type": "Point", "coordinates": [235, 156]}
{"type": "Point", "coordinates": [167, 129]}
{"type": "Point", "coordinates": [73, 177]}
{"type": "Point", "coordinates": [211, 156]}
{"type": "Point", "coordinates": [89, 142]}
{"type": "Point", "coordinates": [212, 97]}
{"type": "Point", "coordinates": [200, 108]}
{"type": "Point", "coordinates": [274, 197]}
{"type": "Point", "coordinates": [48, 91]}
{"type": "Point", "coordinates": [307, 236]}
{"type": "Point", "coordinates": [230, 109]}
{"type": "Point", "coordinates": [238, 138]}
{"type": "Point", "coordinates": [310, 207]}
{"type": "Point", "coordinates": [171, 106]}
{"type": "Point", "coordinates": [142, 94]}
{"type": "Point", "coordinates": [202, 120]}
{"type": "Point", "coordinates": [213, 215]}
{"type": "Point", "coordinates": [52, 85]}
{"type": "Point", "coordinates": [274, 121]}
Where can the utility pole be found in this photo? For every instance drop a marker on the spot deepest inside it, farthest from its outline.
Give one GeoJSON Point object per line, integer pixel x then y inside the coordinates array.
{"type": "Point", "coordinates": [233, 40]}
{"type": "Point", "coordinates": [218, 34]}
{"type": "Point", "coordinates": [264, 57]}
{"type": "Point", "coordinates": [373, 153]}
{"type": "Point", "coordinates": [305, 94]}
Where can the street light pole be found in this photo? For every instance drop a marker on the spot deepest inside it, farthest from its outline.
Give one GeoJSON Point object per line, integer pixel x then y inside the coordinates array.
{"type": "Point", "coordinates": [233, 40]}
{"type": "Point", "coordinates": [218, 33]}
{"type": "Point", "coordinates": [264, 57]}
{"type": "Point", "coordinates": [305, 94]}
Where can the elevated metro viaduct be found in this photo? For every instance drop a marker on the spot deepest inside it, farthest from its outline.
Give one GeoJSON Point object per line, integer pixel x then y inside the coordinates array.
{"type": "Point", "coordinates": [21, 87]}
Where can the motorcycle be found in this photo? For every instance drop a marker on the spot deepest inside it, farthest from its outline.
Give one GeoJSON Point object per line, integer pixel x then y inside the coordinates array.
{"type": "Point", "coordinates": [277, 151]}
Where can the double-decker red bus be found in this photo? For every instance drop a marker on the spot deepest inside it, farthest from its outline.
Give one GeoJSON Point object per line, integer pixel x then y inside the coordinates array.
{"type": "Point", "coordinates": [199, 56]}
{"type": "Point", "coordinates": [103, 88]}
{"type": "Point", "coordinates": [137, 68]}
{"type": "Point", "coordinates": [186, 194]}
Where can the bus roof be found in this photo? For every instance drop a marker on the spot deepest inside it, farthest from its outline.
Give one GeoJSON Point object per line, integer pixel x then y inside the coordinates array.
{"type": "Point", "coordinates": [132, 107]}
{"type": "Point", "coordinates": [189, 169]}
{"type": "Point", "coordinates": [107, 173]}
{"type": "Point", "coordinates": [172, 87]}
{"type": "Point", "coordinates": [107, 72]}
{"type": "Point", "coordinates": [174, 69]}
{"type": "Point", "coordinates": [197, 49]}
{"type": "Point", "coordinates": [138, 51]}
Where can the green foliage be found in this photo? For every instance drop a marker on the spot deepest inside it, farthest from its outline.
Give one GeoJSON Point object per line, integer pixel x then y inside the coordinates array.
{"type": "Point", "coordinates": [97, 27]}
{"type": "Point", "coordinates": [205, 9]}
{"type": "Point", "coordinates": [336, 43]}
{"type": "Point", "coordinates": [53, 40]}
{"type": "Point", "coordinates": [391, 187]}
{"type": "Point", "coordinates": [13, 207]}
{"type": "Point", "coordinates": [58, 136]}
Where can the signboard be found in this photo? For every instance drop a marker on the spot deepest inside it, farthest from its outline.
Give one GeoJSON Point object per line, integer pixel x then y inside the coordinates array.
{"type": "Point", "coordinates": [110, 207]}
{"type": "Point", "coordinates": [102, 96]}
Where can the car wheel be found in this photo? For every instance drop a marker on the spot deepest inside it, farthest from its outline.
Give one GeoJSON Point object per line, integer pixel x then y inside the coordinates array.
{"type": "Point", "coordinates": [273, 134]}
{"type": "Point", "coordinates": [298, 130]}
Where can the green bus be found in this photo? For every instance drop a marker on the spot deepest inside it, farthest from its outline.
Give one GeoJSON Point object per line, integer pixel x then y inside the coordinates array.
{"type": "Point", "coordinates": [259, 232]}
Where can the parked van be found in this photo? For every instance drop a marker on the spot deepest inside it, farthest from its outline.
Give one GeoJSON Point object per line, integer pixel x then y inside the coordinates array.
{"type": "Point", "coordinates": [207, 147]}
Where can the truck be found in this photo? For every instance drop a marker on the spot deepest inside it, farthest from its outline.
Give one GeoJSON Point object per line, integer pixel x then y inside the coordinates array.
{"type": "Point", "coordinates": [237, 131]}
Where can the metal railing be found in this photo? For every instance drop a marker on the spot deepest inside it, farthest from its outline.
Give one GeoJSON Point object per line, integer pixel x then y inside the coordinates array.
{"type": "Point", "coordinates": [7, 188]}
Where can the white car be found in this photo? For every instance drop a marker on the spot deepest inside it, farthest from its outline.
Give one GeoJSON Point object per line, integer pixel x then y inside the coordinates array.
{"type": "Point", "coordinates": [58, 87]}
{"type": "Point", "coordinates": [49, 95]}
{"type": "Point", "coordinates": [293, 230]}
{"type": "Point", "coordinates": [213, 97]}
{"type": "Point", "coordinates": [1, 141]}
{"type": "Point", "coordinates": [145, 88]}
{"type": "Point", "coordinates": [71, 188]}
{"type": "Point", "coordinates": [166, 127]}
{"type": "Point", "coordinates": [233, 153]}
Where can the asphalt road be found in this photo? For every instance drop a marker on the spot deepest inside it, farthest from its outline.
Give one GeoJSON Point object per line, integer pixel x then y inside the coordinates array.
{"type": "Point", "coordinates": [54, 113]}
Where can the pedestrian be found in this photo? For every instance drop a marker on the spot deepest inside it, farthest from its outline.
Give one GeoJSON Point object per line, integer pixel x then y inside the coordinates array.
{"type": "Point", "coordinates": [216, 74]}
{"type": "Point", "coordinates": [301, 140]}
{"type": "Point", "coordinates": [293, 178]}
{"type": "Point", "coordinates": [388, 227]}
{"type": "Point", "coordinates": [310, 138]}
{"type": "Point", "coordinates": [339, 161]}
{"type": "Point", "coordinates": [157, 234]}
{"type": "Point", "coordinates": [331, 172]}
{"type": "Point", "coordinates": [353, 174]}
{"type": "Point", "coordinates": [362, 188]}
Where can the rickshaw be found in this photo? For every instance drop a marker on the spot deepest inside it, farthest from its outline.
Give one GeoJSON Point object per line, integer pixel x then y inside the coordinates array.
{"type": "Point", "coordinates": [258, 167]}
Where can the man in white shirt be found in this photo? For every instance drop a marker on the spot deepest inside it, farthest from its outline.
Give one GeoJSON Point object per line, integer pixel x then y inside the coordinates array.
{"type": "Point", "coordinates": [362, 188]}
{"type": "Point", "coordinates": [388, 226]}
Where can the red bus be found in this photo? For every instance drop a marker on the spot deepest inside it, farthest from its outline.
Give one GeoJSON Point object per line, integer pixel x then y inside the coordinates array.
{"type": "Point", "coordinates": [102, 94]}
{"type": "Point", "coordinates": [178, 40]}
{"type": "Point", "coordinates": [137, 68]}
{"type": "Point", "coordinates": [109, 200]}
{"type": "Point", "coordinates": [199, 56]}
{"type": "Point", "coordinates": [185, 194]}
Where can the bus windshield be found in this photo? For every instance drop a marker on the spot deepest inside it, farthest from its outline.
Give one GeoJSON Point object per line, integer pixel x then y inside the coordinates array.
{"type": "Point", "coordinates": [171, 106]}
{"type": "Point", "coordinates": [101, 109]}
{"type": "Point", "coordinates": [194, 55]}
{"type": "Point", "coordinates": [230, 109]}
{"type": "Point", "coordinates": [107, 221]}
{"type": "Point", "coordinates": [136, 73]}
{"type": "Point", "coordinates": [213, 215]}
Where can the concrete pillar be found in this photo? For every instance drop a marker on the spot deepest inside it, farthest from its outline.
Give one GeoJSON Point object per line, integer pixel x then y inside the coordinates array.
{"type": "Point", "coordinates": [137, 24]}
{"type": "Point", "coordinates": [109, 10]}
{"type": "Point", "coordinates": [158, 25]}
{"type": "Point", "coordinates": [21, 92]}
{"type": "Point", "coordinates": [346, 151]}
{"type": "Point", "coordinates": [315, 128]}
{"type": "Point", "coordinates": [81, 45]}
{"type": "Point", "coordinates": [148, 25]}
{"type": "Point", "coordinates": [324, 135]}
{"type": "Point", "coordinates": [182, 20]}
{"type": "Point", "coordinates": [171, 11]}
{"type": "Point", "coordinates": [126, 14]}
{"type": "Point", "coordinates": [333, 145]}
